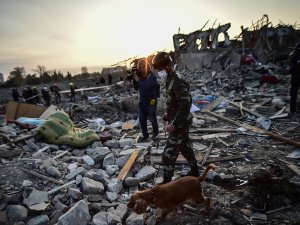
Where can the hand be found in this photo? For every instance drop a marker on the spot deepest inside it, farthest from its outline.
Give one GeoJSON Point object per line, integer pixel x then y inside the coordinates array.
{"type": "Point", "coordinates": [136, 77]}
{"type": "Point", "coordinates": [165, 117]}
{"type": "Point", "coordinates": [170, 128]}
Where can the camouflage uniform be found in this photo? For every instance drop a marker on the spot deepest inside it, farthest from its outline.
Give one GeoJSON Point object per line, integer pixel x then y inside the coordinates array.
{"type": "Point", "coordinates": [178, 109]}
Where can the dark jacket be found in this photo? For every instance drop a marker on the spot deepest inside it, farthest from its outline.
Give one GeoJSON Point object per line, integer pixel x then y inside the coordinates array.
{"type": "Point", "coordinates": [147, 88]}
{"type": "Point", "coordinates": [179, 100]}
{"type": "Point", "coordinates": [294, 62]}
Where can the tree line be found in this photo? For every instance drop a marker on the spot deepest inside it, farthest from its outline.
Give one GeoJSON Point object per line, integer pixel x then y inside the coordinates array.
{"type": "Point", "coordinates": [18, 77]}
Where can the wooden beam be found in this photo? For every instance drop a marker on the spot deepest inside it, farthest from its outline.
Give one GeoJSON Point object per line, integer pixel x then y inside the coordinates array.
{"type": "Point", "coordinates": [41, 176]}
{"type": "Point", "coordinates": [127, 166]}
{"type": "Point", "coordinates": [226, 158]}
{"type": "Point", "coordinates": [256, 129]}
{"type": "Point", "coordinates": [207, 153]}
{"type": "Point", "coordinates": [22, 138]}
{"type": "Point", "coordinates": [291, 166]}
{"type": "Point", "coordinates": [246, 109]}
{"type": "Point", "coordinates": [180, 159]}
{"type": "Point", "coordinates": [213, 130]}
{"type": "Point", "coordinates": [261, 103]}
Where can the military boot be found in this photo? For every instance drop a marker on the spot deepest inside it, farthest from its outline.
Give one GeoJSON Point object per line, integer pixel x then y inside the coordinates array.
{"type": "Point", "coordinates": [193, 172]}
{"type": "Point", "coordinates": [167, 179]}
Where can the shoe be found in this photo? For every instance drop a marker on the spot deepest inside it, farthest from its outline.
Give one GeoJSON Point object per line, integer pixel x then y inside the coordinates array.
{"type": "Point", "coordinates": [193, 172]}
{"type": "Point", "coordinates": [166, 180]}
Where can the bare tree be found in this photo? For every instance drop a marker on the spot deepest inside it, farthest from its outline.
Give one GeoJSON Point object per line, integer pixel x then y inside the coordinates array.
{"type": "Point", "coordinates": [40, 70]}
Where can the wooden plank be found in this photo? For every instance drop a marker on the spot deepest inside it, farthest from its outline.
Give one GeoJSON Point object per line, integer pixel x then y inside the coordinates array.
{"type": "Point", "coordinates": [291, 166]}
{"type": "Point", "coordinates": [207, 153]}
{"type": "Point", "coordinates": [180, 159]}
{"type": "Point", "coordinates": [246, 109]}
{"type": "Point", "coordinates": [41, 176]}
{"type": "Point", "coordinates": [261, 103]}
{"type": "Point", "coordinates": [210, 136]}
{"type": "Point", "coordinates": [256, 129]}
{"type": "Point", "coordinates": [30, 111]}
{"type": "Point", "coordinates": [223, 142]}
{"type": "Point", "coordinates": [14, 110]}
{"type": "Point", "coordinates": [226, 158]}
{"type": "Point", "coordinates": [213, 130]}
{"type": "Point", "coordinates": [49, 111]}
{"type": "Point", "coordinates": [127, 165]}
{"type": "Point", "coordinates": [241, 108]}
{"type": "Point", "coordinates": [22, 138]}
{"type": "Point", "coordinates": [11, 110]}
{"type": "Point", "coordinates": [205, 117]}
{"type": "Point", "coordinates": [283, 139]}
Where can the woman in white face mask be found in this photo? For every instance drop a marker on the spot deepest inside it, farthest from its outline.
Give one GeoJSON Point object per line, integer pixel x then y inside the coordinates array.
{"type": "Point", "coordinates": [177, 115]}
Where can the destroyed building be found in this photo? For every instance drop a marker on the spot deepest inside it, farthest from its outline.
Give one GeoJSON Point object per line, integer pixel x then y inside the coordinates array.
{"type": "Point", "coordinates": [241, 124]}
{"type": "Point", "coordinates": [202, 48]}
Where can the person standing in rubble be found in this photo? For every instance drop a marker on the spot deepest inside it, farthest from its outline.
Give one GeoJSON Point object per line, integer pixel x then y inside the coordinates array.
{"type": "Point", "coordinates": [102, 80]}
{"type": "Point", "coordinates": [56, 91]}
{"type": "Point", "coordinates": [177, 115]}
{"type": "Point", "coordinates": [146, 82]}
{"type": "Point", "coordinates": [109, 79]}
{"type": "Point", "coordinates": [25, 94]}
{"type": "Point", "coordinates": [46, 95]}
{"type": "Point", "coordinates": [294, 62]}
{"type": "Point", "coordinates": [15, 95]}
{"type": "Point", "coordinates": [36, 94]}
{"type": "Point", "coordinates": [72, 91]}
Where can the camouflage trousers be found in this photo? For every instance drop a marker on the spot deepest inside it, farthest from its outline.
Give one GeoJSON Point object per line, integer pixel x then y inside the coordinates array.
{"type": "Point", "coordinates": [178, 141]}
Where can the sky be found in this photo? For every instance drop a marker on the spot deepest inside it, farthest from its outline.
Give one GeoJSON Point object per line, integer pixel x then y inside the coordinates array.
{"type": "Point", "coordinates": [69, 34]}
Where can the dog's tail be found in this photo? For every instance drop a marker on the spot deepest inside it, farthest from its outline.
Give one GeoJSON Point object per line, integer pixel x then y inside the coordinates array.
{"type": "Point", "coordinates": [208, 168]}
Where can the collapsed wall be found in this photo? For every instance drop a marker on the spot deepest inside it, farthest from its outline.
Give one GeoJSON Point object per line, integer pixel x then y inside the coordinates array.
{"type": "Point", "coordinates": [213, 48]}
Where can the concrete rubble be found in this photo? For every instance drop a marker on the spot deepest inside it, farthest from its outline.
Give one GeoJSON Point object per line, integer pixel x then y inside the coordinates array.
{"type": "Point", "coordinates": [242, 125]}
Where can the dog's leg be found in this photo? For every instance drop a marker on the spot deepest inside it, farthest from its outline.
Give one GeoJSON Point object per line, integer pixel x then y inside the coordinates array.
{"type": "Point", "coordinates": [201, 198]}
{"type": "Point", "coordinates": [207, 205]}
{"type": "Point", "coordinates": [164, 214]}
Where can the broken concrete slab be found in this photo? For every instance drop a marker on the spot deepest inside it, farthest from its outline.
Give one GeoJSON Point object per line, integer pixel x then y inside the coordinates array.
{"type": "Point", "coordinates": [77, 215]}
{"type": "Point", "coordinates": [36, 197]}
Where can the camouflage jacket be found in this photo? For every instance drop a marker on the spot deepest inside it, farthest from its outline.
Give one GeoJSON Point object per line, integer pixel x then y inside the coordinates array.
{"type": "Point", "coordinates": [179, 100]}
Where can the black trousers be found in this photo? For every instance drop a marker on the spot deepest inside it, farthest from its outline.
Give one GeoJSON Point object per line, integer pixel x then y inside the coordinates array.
{"type": "Point", "coordinates": [295, 84]}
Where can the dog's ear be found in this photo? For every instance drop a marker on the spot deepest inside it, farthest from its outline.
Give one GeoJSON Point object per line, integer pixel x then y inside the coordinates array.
{"type": "Point", "coordinates": [140, 206]}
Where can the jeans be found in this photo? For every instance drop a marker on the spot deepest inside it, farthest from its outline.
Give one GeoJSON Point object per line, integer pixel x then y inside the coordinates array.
{"type": "Point", "coordinates": [146, 110]}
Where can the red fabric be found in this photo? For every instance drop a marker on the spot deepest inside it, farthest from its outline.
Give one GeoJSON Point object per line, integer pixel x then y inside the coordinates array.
{"type": "Point", "coordinates": [247, 59]}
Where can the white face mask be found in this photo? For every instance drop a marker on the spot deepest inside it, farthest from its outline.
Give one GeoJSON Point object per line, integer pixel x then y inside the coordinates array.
{"type": "Point", "coordinates": [162, 74]}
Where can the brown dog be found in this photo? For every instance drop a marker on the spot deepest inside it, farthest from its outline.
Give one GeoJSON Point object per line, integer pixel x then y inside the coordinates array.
{"type": "Point", "coordinates": [169, 196]}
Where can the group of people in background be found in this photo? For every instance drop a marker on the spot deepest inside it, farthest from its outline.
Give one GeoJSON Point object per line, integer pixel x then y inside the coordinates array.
{"type": "Point", "coordinates": [33, 96]}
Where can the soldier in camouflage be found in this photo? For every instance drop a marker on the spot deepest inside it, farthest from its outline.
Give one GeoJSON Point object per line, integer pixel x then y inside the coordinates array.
{"type": "Point", "coordinates": [178, 116]}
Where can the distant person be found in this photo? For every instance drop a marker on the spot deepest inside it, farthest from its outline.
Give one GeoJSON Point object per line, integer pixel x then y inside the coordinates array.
{"type": "Point", "coordinates": [294, 62]}
{"type": "Point", "coordinates": [46, 95]}
{"type": "Point", "coordinates": [30, 98]}
{"type": "Point", "coordinates": [102, 80]}
{"type": "Point", "coordinates": [109, 79]}
{"type": "Point", "coordinates": [72, 91]}
{"type": "Point", "coordinates": [36, 96]}
{"type": "Point", "coordinates": [25, 94]}
{"type": "Point", "coordinates": [56, 91]}
{"type": "Point", "coordinates": [146, 82]}
{"type": "Point", "coordinates": [15, 95]}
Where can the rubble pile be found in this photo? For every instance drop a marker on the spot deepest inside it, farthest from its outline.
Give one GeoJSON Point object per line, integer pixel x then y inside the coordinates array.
{"type": "Point", "coordinates": [254, 181]}
{"type": "Point", "coordinates": [241, 123]}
